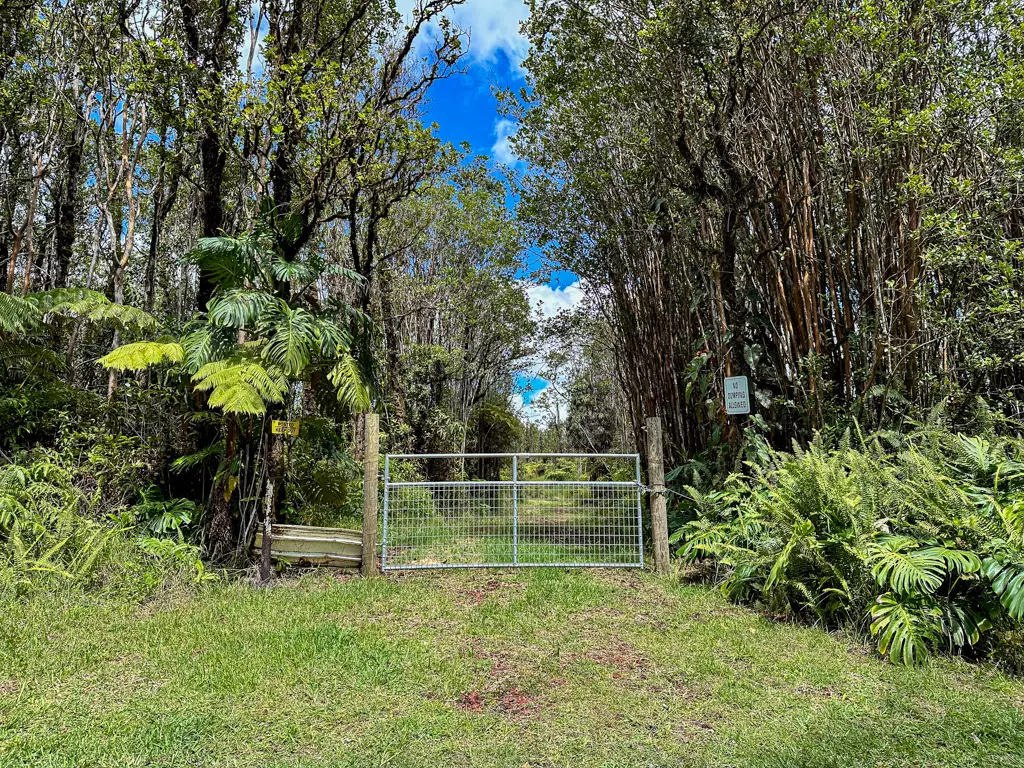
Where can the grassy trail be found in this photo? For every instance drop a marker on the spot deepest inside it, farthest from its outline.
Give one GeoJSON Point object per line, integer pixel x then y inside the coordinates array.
{"type": "Point", "coordinates": [544, 668]}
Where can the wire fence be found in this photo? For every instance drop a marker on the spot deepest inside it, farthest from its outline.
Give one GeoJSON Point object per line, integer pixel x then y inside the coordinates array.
{"type": "Point", "coordinates": [547, 515]}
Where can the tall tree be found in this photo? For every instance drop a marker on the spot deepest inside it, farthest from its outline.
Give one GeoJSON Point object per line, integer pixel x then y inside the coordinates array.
{"type": "Point", "coordinates": [774, 189]}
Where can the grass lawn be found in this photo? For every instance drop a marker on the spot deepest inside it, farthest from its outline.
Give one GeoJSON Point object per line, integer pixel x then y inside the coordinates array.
{"type": "Point", "coordinates": [538, 668]}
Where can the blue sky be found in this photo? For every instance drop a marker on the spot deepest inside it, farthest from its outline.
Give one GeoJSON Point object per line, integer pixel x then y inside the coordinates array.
{"type": "Point", "coordinates": [465, 110]}
{"type": "Point", "coordinates": [464, 106]}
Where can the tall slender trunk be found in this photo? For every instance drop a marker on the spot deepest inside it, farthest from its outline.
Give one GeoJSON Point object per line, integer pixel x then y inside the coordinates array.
{"type": "Point", "coordinates": [66, 207]}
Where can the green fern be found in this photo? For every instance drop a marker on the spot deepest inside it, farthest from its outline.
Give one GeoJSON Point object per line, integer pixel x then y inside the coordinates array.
{"type": "Point", "coordinates": [142, 355]}
{"type": "Point", "coordinates": [92, 306]}
{"type": "Point", "coordinates": [16, 314]}
{"type": "Point", "coordinates": [801, 537]}
{"type": "Point", "coordinates": [123, 315]}
{"type": "Point", "coordinates": [241, 386]}
{"type": "Point", "coordinates": [193, 460]}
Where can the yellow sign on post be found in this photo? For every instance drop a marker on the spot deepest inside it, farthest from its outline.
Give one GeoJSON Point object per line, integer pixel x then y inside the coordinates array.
{"type": "Point", "coordinates": [285, 428]}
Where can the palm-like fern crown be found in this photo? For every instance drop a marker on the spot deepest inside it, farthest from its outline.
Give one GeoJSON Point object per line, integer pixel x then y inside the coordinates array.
{"type": "Point", "coordinates": [19, 315]}
{"type": "Point", "coordinates": [263, 327]}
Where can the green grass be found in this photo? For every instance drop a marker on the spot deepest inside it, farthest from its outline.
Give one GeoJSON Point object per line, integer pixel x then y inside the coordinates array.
{"type": "Point", "coordinates": [539, 668]}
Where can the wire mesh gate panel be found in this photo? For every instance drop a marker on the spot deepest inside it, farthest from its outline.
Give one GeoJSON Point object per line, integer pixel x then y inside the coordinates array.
{"type": "Point", "coordinates": [536, 514]}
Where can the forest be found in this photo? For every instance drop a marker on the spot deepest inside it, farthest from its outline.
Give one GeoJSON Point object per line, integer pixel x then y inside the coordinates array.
{"type": "Point", "coordinates": [215, 214]}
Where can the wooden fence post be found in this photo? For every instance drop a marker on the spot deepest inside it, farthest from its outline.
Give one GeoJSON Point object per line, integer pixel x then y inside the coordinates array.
{"type": "Point", "coordinates": [659, 510]}
{"type": "Point", "coordinates": [371, 460]}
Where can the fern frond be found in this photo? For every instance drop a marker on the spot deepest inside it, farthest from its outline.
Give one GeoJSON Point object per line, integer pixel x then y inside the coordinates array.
{"type": "Point", "coordinates": [93, 306]}
{"type": "Point", "coordinates": [191, 460]}
{"type": "Point", "coordinates": [241, 386]}
{"type": "Point", "coordinates": [74, 302]}
{"type": "Point", "coordinates": [142, 355]}
{"type": "Point", "coordinates": [16, 314]}
{"type": "Point", "coordinates": [238, 397]}
{"type": "Point", "coordinates": [123, 315]}
{"type": "Point", "coordinates": [803, 533]}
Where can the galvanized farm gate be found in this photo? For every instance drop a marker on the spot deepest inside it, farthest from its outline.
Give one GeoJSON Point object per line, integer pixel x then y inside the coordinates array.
{"type": "Point", "coordinates": [513, 522]}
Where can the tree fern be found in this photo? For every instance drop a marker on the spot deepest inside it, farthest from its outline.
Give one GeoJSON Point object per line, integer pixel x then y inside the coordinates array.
{"type": "Point", "coordinates": [142, 355]}
{"type": "Point", "coordinates": [241, 386]}
{"type": "Point", "coordinates": [16, 314]}
{"type": "Point", "coordinates": [92, 306]}
{"type": "Point", "coordinates": [123, 315]}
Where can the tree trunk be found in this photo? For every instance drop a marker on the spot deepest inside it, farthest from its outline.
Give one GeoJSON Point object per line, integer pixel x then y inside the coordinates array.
{"type": "Point", "coordinates": [274, 467]}
{"type": "Point", "coordinates": [219, 530]}
{"type": "Point", "coordinates": [66, 208]}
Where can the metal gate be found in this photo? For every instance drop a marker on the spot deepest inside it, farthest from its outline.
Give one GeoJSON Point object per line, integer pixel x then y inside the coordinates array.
{"type": "Point", "coordinates": [537, 514]}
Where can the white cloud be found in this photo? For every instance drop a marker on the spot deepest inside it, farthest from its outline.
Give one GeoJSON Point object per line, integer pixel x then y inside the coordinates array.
{"type": "Point", "coordinates": [550, 301]}
{"type": "Point", "coordinates": [546, 301]}
{"type": "Point", "coordinates": [493, 26]}
{"type": "Point", "coordinates": [502, 149]}
{"type": "Point", "coordinates": [529, 412]}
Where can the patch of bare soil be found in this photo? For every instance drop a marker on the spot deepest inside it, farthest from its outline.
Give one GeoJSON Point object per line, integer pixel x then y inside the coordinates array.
{"type": "Point", "coordinates": [476, 595]}
{"type": "Point", "coordinates": [626, 662]}
{"type": "Point", "coordinates": [512, 703]}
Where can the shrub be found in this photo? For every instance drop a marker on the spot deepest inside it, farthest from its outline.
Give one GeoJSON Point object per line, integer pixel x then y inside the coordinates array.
{"type": "Point", "coordinates": [916, 540]}
{"type": "Point", "coordinates": [63, 524]}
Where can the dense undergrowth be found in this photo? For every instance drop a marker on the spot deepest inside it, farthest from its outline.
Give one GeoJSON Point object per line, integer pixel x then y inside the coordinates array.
{"type": "Point", "coordinates": [73, 518]}
{"type": "Point", "coordinates": [915, 539]}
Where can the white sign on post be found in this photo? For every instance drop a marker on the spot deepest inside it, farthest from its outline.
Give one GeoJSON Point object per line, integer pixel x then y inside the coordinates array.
{"type": "Point", "coordinates": [737, 395]}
